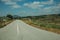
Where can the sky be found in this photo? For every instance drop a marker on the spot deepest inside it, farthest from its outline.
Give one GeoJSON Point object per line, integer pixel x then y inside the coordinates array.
{"type": "Point", "coordinates": [29, 7]}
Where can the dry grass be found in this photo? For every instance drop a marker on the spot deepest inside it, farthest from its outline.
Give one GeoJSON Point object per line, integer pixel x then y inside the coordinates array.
{"type": "Point", "coordinates": [2, 24]}
{"type": "Point", "coordinates": [55, 30]}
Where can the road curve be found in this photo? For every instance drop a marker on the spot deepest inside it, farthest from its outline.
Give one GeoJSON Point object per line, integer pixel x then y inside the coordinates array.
{"type": "Point", "coordinates": [18, 30]}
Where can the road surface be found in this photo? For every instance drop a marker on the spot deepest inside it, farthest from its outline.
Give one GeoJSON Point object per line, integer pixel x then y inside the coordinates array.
{"type": "Point", "coordinates": [18, 30]}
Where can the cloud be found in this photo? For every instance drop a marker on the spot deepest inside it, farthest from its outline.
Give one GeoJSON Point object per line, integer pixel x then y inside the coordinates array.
{"type": "Point", "coordinates": [5, 0]}
{"type": "Point", "coordinates": [10, 0]}
{"type": "Point", "coordinates": [17, 0]}
{"type": "Point", "coordinates": [11, 3]}
{"type": "Point", "coordinates": [37, 4]}
{"type": "Point", "coordinates": [33, 5]}
{"type": "Point", "coordinates": [16, 6]}
{"type": "Point", "coordinates": [44, 7]}
{"type": "Point", "coordinates": [48, 2]}
{"type": "Point", "coordinates": [52, 9]}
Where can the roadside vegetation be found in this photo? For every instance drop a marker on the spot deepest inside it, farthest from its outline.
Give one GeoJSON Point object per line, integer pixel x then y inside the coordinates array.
{"type": "Point", "coordinates": [46, 22]}
{"type": "Point", "coordinates": [5, 20]}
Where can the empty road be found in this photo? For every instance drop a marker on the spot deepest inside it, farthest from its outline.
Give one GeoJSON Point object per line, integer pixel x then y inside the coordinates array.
{"type": "Point", "coordinates": [18, 30]}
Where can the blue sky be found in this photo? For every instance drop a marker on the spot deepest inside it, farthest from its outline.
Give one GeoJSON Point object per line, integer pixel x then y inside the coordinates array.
{"type": "Point", "coordinates": [29, 7]}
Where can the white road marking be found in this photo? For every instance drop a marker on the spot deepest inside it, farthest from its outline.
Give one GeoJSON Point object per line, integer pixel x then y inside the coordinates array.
{"type": "Point", "coordinates": [17, 30]}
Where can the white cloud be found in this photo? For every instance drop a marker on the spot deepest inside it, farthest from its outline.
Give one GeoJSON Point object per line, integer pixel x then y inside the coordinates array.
{"type": "Point", "coordinates": [5, 0]}
{"type": "Point", "coordinates": [17, 0]}
{"type": "Point", "coordinates": [16, 6]}
{"type": "Point", "coordinates": [37, 4]}
{"type": "Point", "coordinates": [52, 9]}
{"type": "Point", "coordinates": [12, 3]}
{"type": "Point", "coordinates": [10, 0]}
{"type": "Point", "coordinates": [33, 5]}
{"type": "Point", "coordinates": [48, 2]}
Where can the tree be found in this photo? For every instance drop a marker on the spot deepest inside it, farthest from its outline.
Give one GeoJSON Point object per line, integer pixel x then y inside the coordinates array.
{"type": "Point", "coordinates": [9, 16]}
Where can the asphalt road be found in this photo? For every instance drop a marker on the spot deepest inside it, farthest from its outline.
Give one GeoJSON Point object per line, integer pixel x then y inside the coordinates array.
{"type": "Point", "coordinates": [18, 30]}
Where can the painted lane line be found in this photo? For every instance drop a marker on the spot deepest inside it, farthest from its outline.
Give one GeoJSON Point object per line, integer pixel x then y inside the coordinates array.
{"type": "Point", "coordinates": [17, 29]}
{"type": "Point", "coordinates": [19, 33]}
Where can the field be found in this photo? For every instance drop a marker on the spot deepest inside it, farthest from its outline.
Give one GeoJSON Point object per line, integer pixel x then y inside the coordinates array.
{"type": "Point", "coordinates": [45, 22]}
{"type": "Point", "coordinates": [4, 22]}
